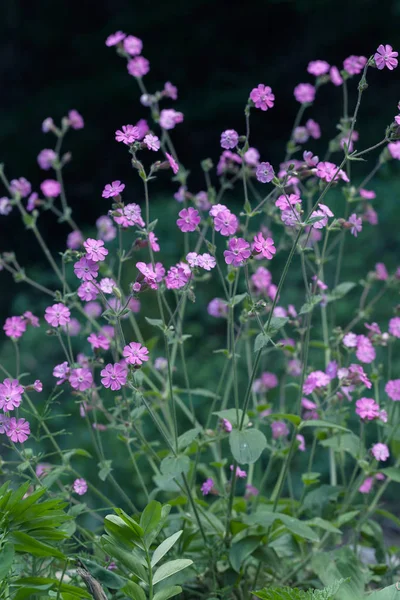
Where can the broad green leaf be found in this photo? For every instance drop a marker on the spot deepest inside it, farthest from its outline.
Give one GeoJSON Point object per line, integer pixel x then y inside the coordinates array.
{"type": "Point", "coordinates": [105, 469]}
{"type": "Point", "coordinates": [264, 338]}
{"type": "Point", "coordinates": [309, 306]}
{"type": "Point", "coordinates": [41, 586]}
{"type": "Point", "coordinates": [392, 473]}
{"type": "Point", "coordinates": [347, 517]}
{"type": "Point", "coordinates": [168, 592]}
{"type": "Point", "coordinates": [323, 524]}
{"type": "Point", "coordinates": [233, 416]}
{"type": "Point", "coordinates": [242, 550]}
{"type": "Point", "coordinates": [321, 423]}
{"type": "Point", "coordinates": [150, 517]}
{"type": "Point", "coordinates": [134, 591]}
{"type": "Point", "coordinates": [173, 466]}
{"type": "Point", "coordinates": [6, 560]}
{"type": "Point", "coordinates": [170, 568]}
{"type": "Point", "coordinates": [299, 528]}
{"type": "Point", "coordinates": [345, 442]}
{"type": "Point", "coordinates": [388, 593]}
{"type": "Point", "coordinates": [295, 419]}
{"type": "Point", "coordinates": [237, 299]}
{"type": "Point", "coordinates": [287, 593]}
{"type": "Point", "coordinates": [342, 564]}
{"type": "Point", "coordinates": [340, 291]}
{"type": "Point", "coordinates": [164, 547]}
{"type": "Point", "coordinates": [247, 445]}
{"type": "Point", "coordinates": [155, 323]}
{"type": "Point", "coordinates": [129, 559]}
{"type": "Point", "coordinates": [188, 437]}
{"type": "Point", "coordinates": [26, 543]}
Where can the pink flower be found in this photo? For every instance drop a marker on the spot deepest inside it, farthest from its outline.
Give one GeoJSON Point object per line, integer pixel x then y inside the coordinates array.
{"type": "Point", "coordinates": [207, 486]}
{"type": "Point", "coordinates": [148, 275]}
{"type": "Point", "coordinates": [394, 327]}
{"type": "Point", "coordinates": [239, 473]}
{"type": "Point", "coordinates": [38, 386]}
{"type": "Point", "coordinates": [138, 66]}
{"type": "Point", "coordinates": [262, 97]}
{"type": "Point", "coordinates": [5, 206]}
{"type": "Point", "coordinates": [74, 240]}
{"type": "Point", "coordinates": [81, 379]}
{"type": "Point", "coordinates": [313, 129]}
{"type": "Point", "coordinates": [58, 314]}
{"type": "Point", "coordinates": [279, 429]}
{"type": "Point", "coordinates": [316, 379]}
{"type": "Point", "coordinates": [350, 340]}
{"type": "Point", "coordinates": [356, 374]}
{"type": "Point", "coordinates": [300, 135]}
{"type": "Point", "coordinates": [354, 64]}
{"type": "Point", "coordinates": [47, 125]}
{"type": "Point", "coordinates": [285, 202]}
{"type": "Point", "coordinates": [14, 327]}
{"type": "Point", "coordinates": [97, 340]}
{"type": "Point", "coordinates": [21, 186]}
{"type": "Point", "coordinates": [18, 430]}
{"type": "Point", "coordinates": [335, 76]}
{"type": "Point", "coordinates": [217, 208]}
{"type": "Point", "coordinates": [113, 189]}
{"type": "Point", "coordinates": [310, 160]}
{"type": "Point", "coordinates": [327, 170]}
{"type": "Point", "coordinates": [152, 142]}
{"type": "Point", "coordinates": [380, 452]}
{"type": "Point", "coordinates": [265, 172]}
{"type": "Point", "coordinates": [86, 269]}
{"type": "Point", "coordinates": [302, 442]}
{"type": "Point", "coordinates": [229, 139]}
{"type": "Point", "coordinates": [50, 188]}
{"type": "Point", "coordinates": [226, 425]}
{"type": "Point", "coordinates": [176, 278]}
{"type": "Point", "coordinates": [225, 222]}
{"type": "Point", "coordinates": [106, 229]}
{"type": "Point", "coordinates": [392, 389]}
{"type": "Point", "coordinates": [10, 394]}
{"type": "Point", "coordinates": [304, 93]}
{"type": "Point", "coordinates": [95, 250]}
{"type": "Point", "coordinates": [189, 219]}
{"type": "Point", "coordinates": [75, 119]}
{"type": "Point", "coordinates": [394, 149]}
{"type": "Point", "coordinates": [128, 134]}
{"type": "Point", "coordinates": [261, 279]}
{"type": "Point", "coordinates": [367, 194]}
{"type": "Point", "coordinates": [61, 372]}
{"type": "Point", "coordinates": [217, 308]}
{"type": "Point", "coordinates": [367, 409]}
{"type": "Point", "coordinates": [381, 272]}
{"type": "Point", "coordinates": [239, 251]}
{"type": "Point", "coordinates": [135, 353]}
{"type": "Point", "coordinates": [356, 224]}
{"type": "Point", "coordinates": [172, 163]}
{"type": "Point", "coordinates": [129, 216]}
{"type": "Point", "coordinates": [169, 118]}
{"type": "Point", "coordinates": [170, 91]}
{"type": "Point", "coordinates": [133, 45]}
{"type": "Point", "coordinates": [87, 291]}
{"type": "Point", "coordinates": [366, 485]}
{"type": "Point", "coordinates": [365, 351]}
{"type": "Point", "coordinates": [80, 487]}
{"type": "Point", "coordinates": [115, 38]}
{"type": "Point", "coordinates": [385, 57]}
{"type": "Point", "coordinates": [46, 159]}
{"type": "Point", "coordinates": [153, 242]}
{"type": "Point", "coordinates": [252, 157]}
{"type": "Point", "coordinates": [264, 246]}
{"type": "Point", "coordinates": [206, 261]}
{"type": "Point", "coordinates": [114, 376]}
{"type": "Point", "coordinates": [318, 67]}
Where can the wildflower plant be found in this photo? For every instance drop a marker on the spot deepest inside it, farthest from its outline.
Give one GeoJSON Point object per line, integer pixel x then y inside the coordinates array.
{"type": "Point", "coordinates": [293, 380]}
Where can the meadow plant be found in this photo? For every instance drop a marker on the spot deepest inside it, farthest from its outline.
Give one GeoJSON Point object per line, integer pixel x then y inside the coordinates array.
{"type": "Point", "coordinates": [214, 468]}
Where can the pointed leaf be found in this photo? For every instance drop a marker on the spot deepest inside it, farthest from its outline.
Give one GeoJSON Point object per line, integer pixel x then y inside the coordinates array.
{"type": "Point", "coordinates": [247, 445]}
{"type": "Point", "coordinates": [168, 592]}
{"type": "Point", "coordinates": [170, 568]}
{"type": "Point", "coordinates": [164, 547]}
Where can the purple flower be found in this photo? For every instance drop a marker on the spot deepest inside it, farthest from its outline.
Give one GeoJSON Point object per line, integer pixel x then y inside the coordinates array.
{"type": "Point", "coordinates": [304, 93]}
{"type": "Point", "coordinates": [10, 394]}
{"type": "Point", "coordinates": [229, 139]}
{"type": "Point", "coordinates": [75, 119]}
{"type": "Point", "coordinates": [207, 486]}
{"type": "Point", "coordinates": [239, 251]}
{"type": "Point", "coordinates": [356, 224]}
{"type": "Point", "coordinates": [81, 379]}
{"type": "Point", "coordinates": [189, 219]}
{"type": "Point", "coordinates": [135, 354]}
{"type": "Point", "coordinates": [14, 327]}
{"type": "Point", "coordinates": [86, 269]}
{"type": "Point", "coordinates": [225, 222]}
{"type": "Point", "coordinates": [354, 64]}
{"type": "Point", "coordinates": [46, 159]}
{"type": "Point", "coordinates": [318, 67]}
{"type": "Point", "coordinates": [133, 45]}
{"type": "Point", "coordinates": [169, 118]}
{"type": "Point", "coordinates": [128, 134]}
{"type": "Point", "coordinates": [58, 314]}
{"type": "Point", "coordinates": [138, 66]}
{"type": "Point", "coordinates": [114, 376]}
{"type": "Point", "coordinates": [113, 189]}
{"type": "Point", "coordinates": [115, 38]}
{"type": "Point", "coordinates": [262, 97]}
{"type": "Point", "coordinates": [80, 487]}
{"type": "Point", "coordinates": [392, 388]}
{"type": "Point", "coordinates": [217, 308]}
{"type": "Point", "coordinates": [380, 452]}
{"type": "Point", "coordinates": [152, 142]}
{"type": "Point", "coordinates": [95, 250]}
{"type": "Point", "coordinates": [265, 172]}
{"type": "Point", "coordinates": [279, 429]}
{"type": "Point", "coordinates": [385, 57]}
{"type": "Point", "coordinates": [50, 188]}
{"type": "Point", "coordinates": [18, 430]}
{"type": "Point", "coordinates": [264, 246]}
{"type": "Point", "coordinates": [367, 409]}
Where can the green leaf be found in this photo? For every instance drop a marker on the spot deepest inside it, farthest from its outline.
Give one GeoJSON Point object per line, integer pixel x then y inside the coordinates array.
{"type": "Point", "coordinates": [340, 291]}
{"type": "Point", "coordinates": [286, 593]}
{"type": "Point", "coordinates": [105, 469]}
{"type": "Point", "coordinates": [295, 419]}
{"type": "Point", "coordinates": [388, 593]}
{"type": "Point", "coordinates": [25, 543]}
{"type": "Point", "coordinates": [298, 528]}
{"type": "Point", "coordinates": [242, 550]}
{"type": "Point", "coordinates": [347, 517]}
{"type": "Point", "coordinates": [247, 445]}
{"type": "Point", "coordinates": [237, 299]}
{"type": "Point", "coordinates": [168, 592]}
{"type": "Point", "coordinates": [233, 416]}
{"type": "Point", "coordinates": [321, 423]}
{"type": "Point", "coordinates": [6, 560]}
{"type": "Point", "coordinates": [164, 547]}
{"type": "Point", "coordinates": [130, 560]}
{"type": "Point", "coordinates": [264, 338]}
{"type": "Point", "coordinates": [188, 437]}
{"type": "Point", "coordinates": [323, 524]}
{"type": "Point", "coordinates": [155, 323]}
{"type": "Point", "coordinates": [170, 568]}
{"type": "Point", "coordinates": [392, 473]}
{"type": "Point", "coordinates": [347, 442]}
{"type": "Point", "coordinates": [342, 564]}
{"type": "Point", "coordinates": [134, 591]}
{"type": "Point", "coordinates": [261, 341]}
{"type": "Point", "coordinates": [150, 517]}
{"type": "Point", "coordinates": [309, 306]}
{"type": "Point", "coordinates": [173, 466]}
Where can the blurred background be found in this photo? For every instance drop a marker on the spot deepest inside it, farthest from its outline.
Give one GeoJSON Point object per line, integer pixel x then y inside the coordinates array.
{"type": "Point", "coordinates": [53, 58]}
